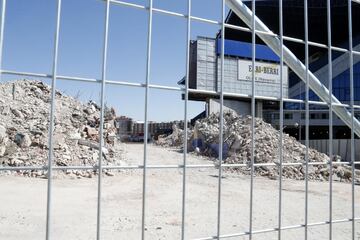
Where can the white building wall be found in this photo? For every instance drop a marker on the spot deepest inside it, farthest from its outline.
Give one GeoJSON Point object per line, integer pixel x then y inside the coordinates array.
{"type": "Point", "coordinates": [209, 74]}
{"type": "Point", "coordinates": [206, 64]}
{"type": "Point", "coordinates": [240, 107]}
{"type": "Point", "coordinates": [234, 85]}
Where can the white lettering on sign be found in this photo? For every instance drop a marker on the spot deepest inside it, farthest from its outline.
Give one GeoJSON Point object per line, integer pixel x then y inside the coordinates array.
{"type": "Point", "coordinates": [264, 72]}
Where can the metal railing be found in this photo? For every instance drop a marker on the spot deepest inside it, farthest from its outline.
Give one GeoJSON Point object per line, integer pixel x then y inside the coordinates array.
{"type": "Point", "coordinates": [104, 81]}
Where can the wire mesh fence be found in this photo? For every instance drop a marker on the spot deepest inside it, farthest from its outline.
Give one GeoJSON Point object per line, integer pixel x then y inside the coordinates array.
{"type": "Point", "coordinates": [257, 29]}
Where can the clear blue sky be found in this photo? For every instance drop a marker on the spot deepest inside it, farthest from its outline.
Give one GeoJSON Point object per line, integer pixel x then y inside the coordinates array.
{"type": "Point", "coordinates": [29, 37]}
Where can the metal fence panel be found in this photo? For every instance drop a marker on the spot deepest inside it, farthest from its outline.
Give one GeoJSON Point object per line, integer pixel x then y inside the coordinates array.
{"type": "Point", "coordinates": [274, 41]}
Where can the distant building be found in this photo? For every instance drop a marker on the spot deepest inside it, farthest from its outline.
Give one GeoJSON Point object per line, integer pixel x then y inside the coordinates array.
{"type": "Point", "coordinates": [130, 130]}
{"type": "Point", "coordinates": [205, 74]}
{"type": "Point", "coordinates": [124, 125]}
{"type": "Point", "coordinates": [205, 67]}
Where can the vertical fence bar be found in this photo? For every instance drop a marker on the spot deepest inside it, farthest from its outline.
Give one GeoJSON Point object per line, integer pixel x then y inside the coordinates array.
{"type": "Point", "coordinates": [51, 121]}
{"type": "Point", "coordinates": [188, 37]}
{"type": "Point", "coordinates": [2, 27]}
{"type": "Point", "coordinates": [306, 29]}
{"type": "Point", "coordinates": [221, 132]}
{"type": "Point", "coordinates": [102, 115]}
{"type": "Point", "coordinates": [351, 61]}
{"type": "Point", "coordinates": [301, 112]}
{"type": "Point", "coordinates": [148, 67]}
{"type": "Point", "coordinates": [281, 125]}
{"type": "Point", "coordinates": [253, 52]}
{"type": "Point", "coordinates": [330, 73]}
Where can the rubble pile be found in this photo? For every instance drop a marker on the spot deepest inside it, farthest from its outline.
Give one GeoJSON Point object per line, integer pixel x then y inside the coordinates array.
{"type": "Point", "coordinates": [238, 146]}
{"type": "Point", "coordinates": [24, 130]}
{"type": "Point", "coordinates": [175, 139]}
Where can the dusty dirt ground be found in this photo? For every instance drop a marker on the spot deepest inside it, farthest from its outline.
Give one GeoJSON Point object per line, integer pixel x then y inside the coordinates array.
{"type": "Point", "coordinates": [23, 204]}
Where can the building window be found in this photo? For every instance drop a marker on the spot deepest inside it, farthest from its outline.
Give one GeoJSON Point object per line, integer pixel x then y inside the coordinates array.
{"type": "Point", "coordinates": [288, 116]}
{"type": "Point", "coordinates": [357, 115]}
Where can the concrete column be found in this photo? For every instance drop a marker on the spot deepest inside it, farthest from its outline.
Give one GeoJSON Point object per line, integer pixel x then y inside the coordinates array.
{"type": "Point", "coordinates": [259, 109]}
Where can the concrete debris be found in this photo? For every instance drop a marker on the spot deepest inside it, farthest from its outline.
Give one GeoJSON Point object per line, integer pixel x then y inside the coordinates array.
{"type": "Point", "coordinates": [204, 139]}
{"type": "Point", "coordinates": [23, 140]}
{"type": "Point", "coordinates": [3, 140]}
{"type": "Point", "coordinates": [175, 139]}
{"type": "Point", "coordinates": [24, 130]}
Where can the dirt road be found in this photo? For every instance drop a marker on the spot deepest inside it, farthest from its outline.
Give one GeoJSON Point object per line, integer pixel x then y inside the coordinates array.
{"type": "Point", "coordinates": [23, 204]}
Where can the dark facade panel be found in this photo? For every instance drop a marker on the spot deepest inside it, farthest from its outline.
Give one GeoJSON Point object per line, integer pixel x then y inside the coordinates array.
{"type": "Point", "coordinates": [244, 50]}
{"type": "Point", "coordinates": [293, 18]}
